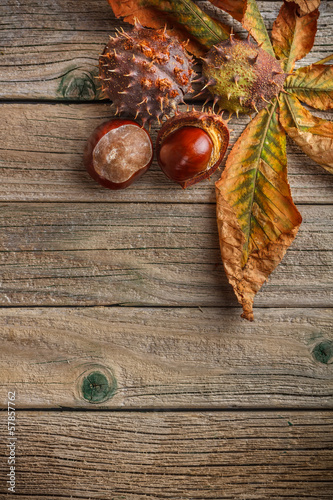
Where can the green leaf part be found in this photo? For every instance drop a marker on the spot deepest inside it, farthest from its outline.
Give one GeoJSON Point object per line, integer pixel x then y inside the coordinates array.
{"type": "Point", "coordinates": [313, 85]}
{"type": "Point", "coordinates": [247, 12]}
{"type": "Point", "coordinates": [312, 134]}
{"type": "Point", "coordinates": [255, 183]}
{"type": "Point", "coordinates": [254, 24]}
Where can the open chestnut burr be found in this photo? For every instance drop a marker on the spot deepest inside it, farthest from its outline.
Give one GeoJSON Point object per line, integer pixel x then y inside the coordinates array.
{"type": "Point", "coordinates": [190, 146]}
{"type": "Point", "coordinates": [117, 153]}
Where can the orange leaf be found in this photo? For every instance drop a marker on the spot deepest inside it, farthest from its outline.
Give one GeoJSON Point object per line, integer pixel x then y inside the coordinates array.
{"type": "Point", "coordinates": [293, 36]}
{"type": "Point", "coordinates": [306, 6]}
{"type": "Point", "coordinates": [236, 8]}
{"type": "Point", "coordinates": [257, 219]}
{"type": "Point", "coordinates": [312, 134]}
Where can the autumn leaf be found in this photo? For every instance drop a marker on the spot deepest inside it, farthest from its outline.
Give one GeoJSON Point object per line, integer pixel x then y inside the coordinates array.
{"type": "Point", "coordinates": [293, 36]}
{"type": "Point", "coordinates": [312, 134]}
{"type": "Point", "coordinates": [292, 39]}
{"type": "Point", "coordinates": [313, 85]}
{"type": "Point", "coordinates": [306, 6]}
{"type": "Point", "coordinates": [247, 12]}
{"type": "Point", "coordinates": [254, 24]}
{"type": "Point", "coordinates": [236, 8]}
{"type": "Point", "coordinates": [183, 18]}
{"type": "Point", "coordinates": [257, 219]}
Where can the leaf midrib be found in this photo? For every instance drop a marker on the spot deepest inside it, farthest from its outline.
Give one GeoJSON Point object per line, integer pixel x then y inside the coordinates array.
{"type": "Point", "coordinates": [290, 61]}
{"type": "Point", "coordinates": [270, 115]}
{"type": "Point", "coordinates": [201, 20]}
{"type": "Point", "coordinates": [308, 89]}
{"type": "Point", "coordinates": [291, 110]}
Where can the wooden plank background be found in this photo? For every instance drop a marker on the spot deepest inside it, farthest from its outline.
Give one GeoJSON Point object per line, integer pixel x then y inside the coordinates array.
{"type": "Point", "coordinates": [194, 455]}
{"type": "Point", "coordinates": [131, 254]}
{"type": "Point", "coordinates": [169, 357]}
{"type": "Point", "coordinates": [129, 285]}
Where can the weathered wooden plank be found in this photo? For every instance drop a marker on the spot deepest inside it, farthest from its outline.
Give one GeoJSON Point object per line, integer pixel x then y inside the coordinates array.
{"type": "Point", "coordinates": [41, 159]}
{"type": "Point", "coordinates": [172, 455]}
{"type": "Point", "coordinates": [166, 358]}
{"type": "Point", "coordinates": [146, 254]}
{"type": "Point", "coordinates": [50, 51]}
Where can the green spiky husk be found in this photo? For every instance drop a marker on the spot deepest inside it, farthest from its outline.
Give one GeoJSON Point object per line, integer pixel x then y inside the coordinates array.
{"type": "Point", "coordinates": [145, 73]}
{"type": "Point", "coordinates": [241, 76]}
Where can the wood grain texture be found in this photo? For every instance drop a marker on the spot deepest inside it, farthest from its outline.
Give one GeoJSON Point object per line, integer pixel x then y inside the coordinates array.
{"type": "Point", "coordinates": [168, 358]}
{"type": "Point", "coordinates": [146, 254]}
{"type": "Point", "coordinates": [56, 52]}
{"type": "Point", "coordinates": [75, 243]}
{"type": "Point", "coordinates": [197, 456]}
{"type": "Point", "coordinates": [42, 147]}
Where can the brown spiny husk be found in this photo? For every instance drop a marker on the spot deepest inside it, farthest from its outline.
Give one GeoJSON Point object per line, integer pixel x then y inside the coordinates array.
{"type": "Point", "coordinates": [145, 73]}
{"type": "Point", "coordinates": [241, 76]}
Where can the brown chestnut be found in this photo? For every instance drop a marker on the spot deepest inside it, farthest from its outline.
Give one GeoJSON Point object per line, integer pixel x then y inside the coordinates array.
{"type": "Point", "coordinates": [185, 153]}
{"type": "Point", "coordinates": [117, 153]}
{"type": "Point", "coordinates": [190, 146]}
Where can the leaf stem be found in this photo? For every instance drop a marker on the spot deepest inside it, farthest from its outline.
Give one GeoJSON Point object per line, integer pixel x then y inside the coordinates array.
{"type": "Point", "coordinates": [326, 59]}
{"type": "Point", "coordinates": [286, 98]}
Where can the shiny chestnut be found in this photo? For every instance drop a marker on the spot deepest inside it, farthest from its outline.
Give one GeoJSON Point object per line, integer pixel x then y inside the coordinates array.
{"type": "Point", "coordinates": [117, 153]}
{"type": "Point", "coordinates": [185, 153]}
{"type": "Point", "coordinates": [191, 146]}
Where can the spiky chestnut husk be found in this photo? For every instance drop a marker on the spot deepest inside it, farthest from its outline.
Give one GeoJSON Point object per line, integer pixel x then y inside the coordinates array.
{"type": "Point", "coordinates": [217, 132]}
{"type": "Point", "coordinates": [241, 76]}
{"type": "Point", "coordinates": [145, 73]}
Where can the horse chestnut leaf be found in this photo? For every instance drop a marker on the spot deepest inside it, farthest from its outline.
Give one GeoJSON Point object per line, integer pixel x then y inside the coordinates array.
{"type": "Point", "coordinates": [190, 146]}
{"type": "Point", "coordinates": [117, 153]}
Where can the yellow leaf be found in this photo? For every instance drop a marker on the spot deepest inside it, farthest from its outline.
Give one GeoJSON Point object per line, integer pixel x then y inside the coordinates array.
{"type": "Point", "coordinates": [313, 85]}
{"type": "Point", "coordinates": [257, 219]}
{"type": "Point", "coordinates": [312, 134]}
{"type": "Point", "coordinates": [293, 36]}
